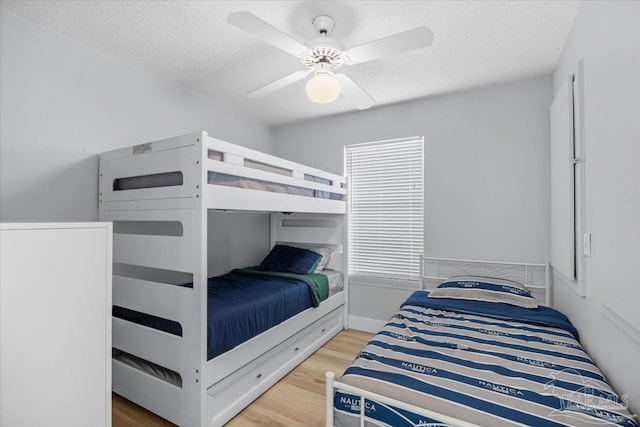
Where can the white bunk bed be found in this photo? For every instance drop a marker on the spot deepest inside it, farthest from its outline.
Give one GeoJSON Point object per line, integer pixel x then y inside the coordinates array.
{"type": "Point", "coordinates": [158, 194]}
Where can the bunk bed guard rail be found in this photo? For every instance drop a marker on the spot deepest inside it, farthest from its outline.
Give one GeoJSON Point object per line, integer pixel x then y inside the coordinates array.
{"type": "Point", "coordinates": [232, 177]}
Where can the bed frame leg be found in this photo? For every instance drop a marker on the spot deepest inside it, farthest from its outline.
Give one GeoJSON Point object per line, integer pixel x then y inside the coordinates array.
{"type": "Point", "coordinates": [547, 282]}
{"type": "Point", "coordinates": [329, 398]}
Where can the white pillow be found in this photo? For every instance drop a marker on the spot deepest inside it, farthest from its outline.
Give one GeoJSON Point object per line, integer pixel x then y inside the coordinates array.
{"type": "Point", "coordinates": [326, 257]}
{"type": "Point", "coordinates": [324, 251]}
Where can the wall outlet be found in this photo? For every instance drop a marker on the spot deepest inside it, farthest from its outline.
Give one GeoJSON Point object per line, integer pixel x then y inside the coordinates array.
{"type": "Point", "coordinates": [586, 244]}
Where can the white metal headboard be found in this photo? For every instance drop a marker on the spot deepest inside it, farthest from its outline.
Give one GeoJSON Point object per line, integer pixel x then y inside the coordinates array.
{"type": "Point", "coordinates": [536, 277]}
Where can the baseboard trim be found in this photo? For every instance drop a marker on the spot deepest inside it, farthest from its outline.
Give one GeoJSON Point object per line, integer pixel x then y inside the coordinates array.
{"type": "Point", "coordinates": [366, 324]}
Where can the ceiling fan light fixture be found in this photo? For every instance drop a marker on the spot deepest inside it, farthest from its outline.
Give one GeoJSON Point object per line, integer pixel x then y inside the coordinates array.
{"type": "Point", "coordinates": [325, 54]}
{"type": "Point", "coordinates": [323, 88]}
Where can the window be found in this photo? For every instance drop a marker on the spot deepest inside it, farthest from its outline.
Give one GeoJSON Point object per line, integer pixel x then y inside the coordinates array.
{"type": "Point", "coordinates": [386, 208]}
{"type": "Point", "coordinates": [569, 240]}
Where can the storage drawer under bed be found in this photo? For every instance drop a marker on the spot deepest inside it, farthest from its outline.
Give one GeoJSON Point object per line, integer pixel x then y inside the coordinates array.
{"type": "Point", "coordinates": [246, 384]}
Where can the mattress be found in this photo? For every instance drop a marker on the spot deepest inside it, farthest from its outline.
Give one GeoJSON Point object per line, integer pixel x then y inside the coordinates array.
{"type": "Point", "coordinates": [480, 362]}
{"type": "Point", "coordinates": [335, 279]}
{"type": "Point", "coordinates": [217, 178]}
{"type": "Point", "coordinates": [239, 307]}
{"type": "Point", "coordinates": [256, 184]}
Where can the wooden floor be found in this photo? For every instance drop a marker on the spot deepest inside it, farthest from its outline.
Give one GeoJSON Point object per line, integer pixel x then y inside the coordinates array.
{"type": "Point", "coordinates": [297, 400]}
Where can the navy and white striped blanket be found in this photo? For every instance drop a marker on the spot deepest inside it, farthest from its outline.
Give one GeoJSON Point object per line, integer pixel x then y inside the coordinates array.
{"type": "Point", "coordinates": [490, 364]}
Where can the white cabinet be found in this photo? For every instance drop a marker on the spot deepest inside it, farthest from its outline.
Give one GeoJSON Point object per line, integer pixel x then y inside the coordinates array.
{"type": "Point", "coordinates": [55, 324]}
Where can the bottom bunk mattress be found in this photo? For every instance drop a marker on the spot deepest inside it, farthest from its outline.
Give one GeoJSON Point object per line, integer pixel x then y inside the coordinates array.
{"type": "Point", "coordinates": [485, 363]}
{"type": "Point", "coordinates": [244, 303]}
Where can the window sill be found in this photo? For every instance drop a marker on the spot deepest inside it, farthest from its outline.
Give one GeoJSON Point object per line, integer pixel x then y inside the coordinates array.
{"type": "Point", "coordinates": [389, 283]}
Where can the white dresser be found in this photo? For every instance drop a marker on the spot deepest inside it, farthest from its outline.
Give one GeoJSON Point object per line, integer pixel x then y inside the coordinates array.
{"type": "Point", "coordinates": [55, 324]}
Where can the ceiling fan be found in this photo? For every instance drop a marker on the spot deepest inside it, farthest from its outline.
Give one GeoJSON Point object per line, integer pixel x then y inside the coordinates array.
{"type": "Point", "coordinates": [324, 54]}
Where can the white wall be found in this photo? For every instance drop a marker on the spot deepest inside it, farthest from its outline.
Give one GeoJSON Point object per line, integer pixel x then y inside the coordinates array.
{"type": "Point", "coordinates": [62, 103]}
{"type": "Point", "coordinates": [236, 240]}
{"type": "Point", "coordinates": [606, 36]}
{"type": "Point", "coordinates": [486, 171]}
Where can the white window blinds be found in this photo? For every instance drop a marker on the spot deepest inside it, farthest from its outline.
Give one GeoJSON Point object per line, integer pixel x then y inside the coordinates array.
{"type": "Point", "coordinates": [386, 208]}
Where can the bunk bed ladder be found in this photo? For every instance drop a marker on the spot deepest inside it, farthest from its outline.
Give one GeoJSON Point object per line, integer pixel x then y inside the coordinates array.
{"type": "Point", "coordinates": [159, 247]}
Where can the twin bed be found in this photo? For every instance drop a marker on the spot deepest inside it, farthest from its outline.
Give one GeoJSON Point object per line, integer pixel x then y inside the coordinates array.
{"type": "Point", "coordinates": [477, 350]}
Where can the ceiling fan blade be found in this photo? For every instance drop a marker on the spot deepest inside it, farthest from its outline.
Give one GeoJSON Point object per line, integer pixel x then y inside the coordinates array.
{"type": "Point", "coordinates": [354, 93]}
{"type": "Point", "coordinates": [255, 26]}
{"type": "Point", "coordinates": [415, 38]}
{"type": "Point", "coordinates": [278, 84]}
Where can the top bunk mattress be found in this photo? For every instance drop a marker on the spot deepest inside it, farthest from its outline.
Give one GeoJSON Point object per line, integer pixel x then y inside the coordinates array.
{"type": "Point", "coordinates": [217, 178]}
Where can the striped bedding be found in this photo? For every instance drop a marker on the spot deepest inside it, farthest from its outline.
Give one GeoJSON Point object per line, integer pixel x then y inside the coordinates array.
{"type": "Point", "coordinates": [490, 364]}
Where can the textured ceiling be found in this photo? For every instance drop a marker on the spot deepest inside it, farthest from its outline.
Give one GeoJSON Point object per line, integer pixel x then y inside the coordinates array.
{"type": "Point", "coordinates": [475, 43]}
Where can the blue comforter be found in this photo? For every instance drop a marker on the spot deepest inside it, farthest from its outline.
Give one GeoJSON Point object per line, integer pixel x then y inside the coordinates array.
{"type": "Point", "coordinates": [241, 306]}
{"type": "Point", "coordinates": [542, 316]}
{"type": "Point", "coordinates": [482, 362]}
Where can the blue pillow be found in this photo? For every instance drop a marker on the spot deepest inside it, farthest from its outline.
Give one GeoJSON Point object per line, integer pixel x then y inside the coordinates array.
{"type": "Point", "coordinates": [487, 289]}
{"type": "Point", "coordinates": [290, 259]}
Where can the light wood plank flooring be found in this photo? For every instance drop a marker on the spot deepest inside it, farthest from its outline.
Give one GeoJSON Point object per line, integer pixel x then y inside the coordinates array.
{"type": "Point", "coordinates": [296, 400]}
